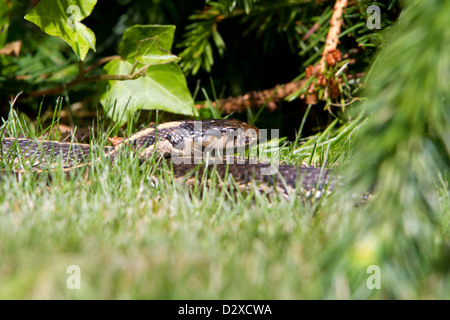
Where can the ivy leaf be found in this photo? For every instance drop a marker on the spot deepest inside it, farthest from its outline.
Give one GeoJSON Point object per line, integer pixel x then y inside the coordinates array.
{"type": "Point", "coordinates": [5, 9]}
{"type": "Point", "coordinates": [151, 53]}
{"type": "Point", "coordinates": [61, 18]}
{"type": "Point", "coordinates": [161, 86]}
{"type": "Point", "coordinates": [164, 87]}
{"type": "Point", "coordinates": [128, 48]}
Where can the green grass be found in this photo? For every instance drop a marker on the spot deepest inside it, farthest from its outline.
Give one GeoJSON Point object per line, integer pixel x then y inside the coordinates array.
{"type": "Point", "coordinates": [136, 237]}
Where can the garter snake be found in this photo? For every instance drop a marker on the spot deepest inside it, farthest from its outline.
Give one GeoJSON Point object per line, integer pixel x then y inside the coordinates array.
{"type": "Point", "coordinates": [184, 145]}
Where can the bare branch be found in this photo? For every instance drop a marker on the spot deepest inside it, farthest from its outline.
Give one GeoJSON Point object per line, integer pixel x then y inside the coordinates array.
{"type": "Point", "coordinates": [79, 80]}
{"type": "Point", "coordinates": [100, 62]}
{"type": "Point", "coordinates": [257, 99]}
{"type": "Point", "coordinates": [335, 29]}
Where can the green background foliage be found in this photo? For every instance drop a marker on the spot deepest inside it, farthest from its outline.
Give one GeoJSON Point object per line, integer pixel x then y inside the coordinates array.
{"type": "Point", "coordinates": [249, 43]}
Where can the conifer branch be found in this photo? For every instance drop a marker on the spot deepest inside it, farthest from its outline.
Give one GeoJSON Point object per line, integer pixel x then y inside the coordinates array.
{"type": "Point", "coordinates": [334, 31]}
{"type": "Point", "coordinates": [257, 99]}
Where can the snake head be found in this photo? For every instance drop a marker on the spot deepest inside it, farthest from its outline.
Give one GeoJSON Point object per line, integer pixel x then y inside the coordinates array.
{"type": "Point", "coordinates": [224, 136]}
{"type": "Point", "coordinates": [193, 138]}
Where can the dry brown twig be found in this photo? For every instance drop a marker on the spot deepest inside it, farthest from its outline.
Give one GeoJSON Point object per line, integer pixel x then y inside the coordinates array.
{"type": "Point", "coordinates": [333, 33]}
{"type": "Point", "coordinates": [256, 99]}
{"type": "Point", "coordinates": [330, 56]}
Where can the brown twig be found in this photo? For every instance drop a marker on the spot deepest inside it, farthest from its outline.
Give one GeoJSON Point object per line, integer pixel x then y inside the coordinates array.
{"type": "Point", "coordinates": [335, 29]}
{"type": "Point", "coordinates": [100, 62]}
{"type": "Point", "coordinates": [81, 78]}
{"type": "Point", "coordinates": [257, 99]}
{"type": "Point", "coordinates": [81, 70]}
{"type": "Point", "coordinates": [330, 57]}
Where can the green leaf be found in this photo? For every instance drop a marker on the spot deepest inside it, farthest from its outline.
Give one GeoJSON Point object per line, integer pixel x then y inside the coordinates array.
{"type": "Point", "coordinates": [128, 48]}
{"type": "Point", "coordinates": [151, 53]}
{"type": "Point", "coordinates": [5, 9]}
{"type": "Point", "coordinates": [163, 88]}
{"type": "Point", "coordinates": [61, 18]}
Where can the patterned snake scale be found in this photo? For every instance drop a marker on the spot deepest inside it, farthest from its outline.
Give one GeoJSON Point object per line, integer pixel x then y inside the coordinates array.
{"type": "Point", "coordinates": [184, 145]}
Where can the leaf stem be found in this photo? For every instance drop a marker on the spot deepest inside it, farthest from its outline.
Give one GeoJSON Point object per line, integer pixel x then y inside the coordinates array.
{"type": "Point", "coordinates": [102, 77]}
{"type": "Point", "coordinates": [81, 71]}
{"type": "Point", "coordinates": [133, 67]}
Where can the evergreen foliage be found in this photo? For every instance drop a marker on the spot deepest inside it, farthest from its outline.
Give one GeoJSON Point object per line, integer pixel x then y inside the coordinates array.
{"type": "Point", "coordinates": [403, 149]}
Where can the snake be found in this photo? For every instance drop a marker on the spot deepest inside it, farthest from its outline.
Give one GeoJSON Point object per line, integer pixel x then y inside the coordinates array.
{"type": "Point", "coordinates": [192, 149]}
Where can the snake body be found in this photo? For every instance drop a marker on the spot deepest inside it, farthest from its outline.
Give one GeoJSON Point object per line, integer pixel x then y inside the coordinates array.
{"type": "Point", "coordinates": [183, 144]}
